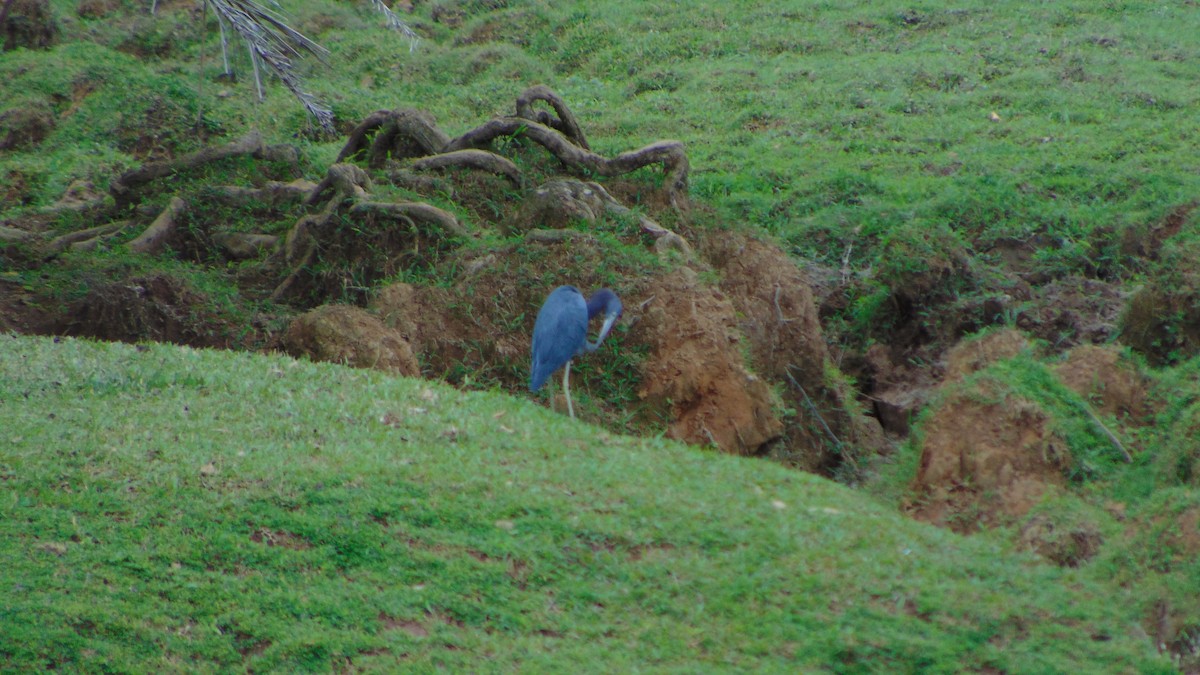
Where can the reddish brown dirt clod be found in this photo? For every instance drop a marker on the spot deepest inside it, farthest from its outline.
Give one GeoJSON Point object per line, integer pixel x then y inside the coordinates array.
{"type": "Point", "coordinates": [351, 336]}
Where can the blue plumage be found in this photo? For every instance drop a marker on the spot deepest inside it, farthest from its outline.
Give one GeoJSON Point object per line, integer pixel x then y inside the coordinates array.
{"type": "Point", "coordinates": [560, 332]}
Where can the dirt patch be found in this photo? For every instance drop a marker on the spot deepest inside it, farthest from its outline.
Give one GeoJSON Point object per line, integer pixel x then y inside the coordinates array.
{"type": "Point", "coordinates": [22, 312]}
{"type": "Point", "coordinates": [1180, 534]}
{"type": "Point", "coordinates": [985, 464]}
{"type": "Point", "coordinates": [30, 24]}
{"type": "Point", "coordinates": [164, 129]}
{"type": "Point", "coordinates": [280, 538]}
{"type": "Point", "coordinates": [26, 126]}
{"type": "Point", "coordinates": [695, 370]}
{"type": "Point", "coordinates": [350, 336]}
{"type": "Point", "coordinates": [900, 388]}
{"type": "Point", "coordinates": [17, 188]}
{"type": "Point", "coordinates": [1169, 541]}
{"type": "Point", "coordinates": [1072, 311]}
{"type": "Point", "coordinates": [413, 628]}
{"type": "Point", "coordinates": [777, 314]}
{"type": "Point", "coordinates": [973, 355]}
{"type": "Point", "coordinates": [1147, 242]}
{"type": "Point", "coordinates": [1064, 544]}
{"type": "Point", "coordinates": [150, 308]}
{"type": "Point", "coordinates": [1161, 322]}
{"type": "Point", "coordinates": [412, 312]}
{"type": "Point", "coordinates": [96, 9]}
{"type": "Point", "coordinates": [1113, 385]}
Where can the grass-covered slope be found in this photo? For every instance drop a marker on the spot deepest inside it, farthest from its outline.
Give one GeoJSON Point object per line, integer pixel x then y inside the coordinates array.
{"type": "Point", "coordinates": [170, 509]}
{"type": "Point", "coordinates": [805, 118]}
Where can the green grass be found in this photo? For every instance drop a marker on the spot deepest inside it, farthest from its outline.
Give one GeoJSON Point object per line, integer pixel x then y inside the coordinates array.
{"type": "Point", "coordinates": [829, 125]}
{"type": "Point", "coordinates": [168, 509]}
{"type": "Point", "coordinates": [174, 510]}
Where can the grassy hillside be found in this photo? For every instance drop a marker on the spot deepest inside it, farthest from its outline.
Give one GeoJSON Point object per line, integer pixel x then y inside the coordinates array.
{"type": "Point", "coordinates": [178, 509]}
{"type": "Point", "coordinates": [803, 118]}
{"type": "Point", "coordinates": [935, 170]}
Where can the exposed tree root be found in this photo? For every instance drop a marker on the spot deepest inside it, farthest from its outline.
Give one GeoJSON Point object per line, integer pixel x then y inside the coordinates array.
{"type": "Point", "coordinates": [472, 159]}
{"type": "Point", "coordinates": [412, 213]}
{"type": "Point", "coordinates": [245, 245]}
{"type": "Point", "coordinates": [402, 133]}
{"type": "Point", "coordinates": [123, 187]}
{"type": "Point", "coordinates": [364, 237]}
{"type": "Point", "coordinates": [155, 236]}
{"type": "Point", "coordinates": [556, 236]}
{"type": "Point", "coordinates": [13, 235]}
{"type": "Point", "coordinates": [405, 134]}
{"type": "Point", "coordinates": [565, 123]}
{"type": "Point", "coordinates": [90, 236]}
{"type": "Point", "coordinates": [668, 153]}
{"type": "Point", "coordinates": [274, 193]}
{"type": "Point", "coordinates": [664, 239]}
{"type": "Point", "coordinates": [345, 180]}
{"type": "Point", "coordinates": [344, 190]}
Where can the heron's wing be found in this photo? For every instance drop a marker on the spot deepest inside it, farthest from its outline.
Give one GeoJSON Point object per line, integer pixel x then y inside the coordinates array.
{"type": "Point", "coordinates": [558, 335]}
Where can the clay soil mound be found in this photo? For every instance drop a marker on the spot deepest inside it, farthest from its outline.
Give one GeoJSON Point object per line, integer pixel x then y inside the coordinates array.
{"type": "Point", "coordinates": [777, 315]}
{"type": "Point", "coordinates": [973, 355]}
{"type": "Point", "coordinates": [900, 391]}
{"type": "Point", "coordinates": [1110, 383]}
{"type": "Point", "coordinates": [1065, 544]}
{"type": "Point", "coordinates": [695, 369]}
{"type": "Point", "coordinates": [985, 464]}
{"type": "Point", "coordinates": [350, 336]}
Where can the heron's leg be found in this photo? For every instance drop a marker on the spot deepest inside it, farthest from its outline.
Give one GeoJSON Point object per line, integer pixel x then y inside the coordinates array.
{"type": "Point", "coordinates": [567, 388]}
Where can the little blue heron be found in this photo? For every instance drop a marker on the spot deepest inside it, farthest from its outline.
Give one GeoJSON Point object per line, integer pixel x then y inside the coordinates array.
{"type": "Point", "coordinates": [560, 333]}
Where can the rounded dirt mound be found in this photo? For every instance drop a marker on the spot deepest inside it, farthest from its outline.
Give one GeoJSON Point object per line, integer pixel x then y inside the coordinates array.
{"type": "Point", "coordinates": [350, 336]}
{"type": "Point", "coordinates": [986, 464]}
{"type": "Point", "coordinates": [1064, 543]}
{"type": "Point", "coordinates": [974, 354]}
{"type": "Point", "coordinates": [1112, 384]}
{"type": "Point", "coordinates": [695, 370]}
{"type": "Point", "coordinates": [777, 315]}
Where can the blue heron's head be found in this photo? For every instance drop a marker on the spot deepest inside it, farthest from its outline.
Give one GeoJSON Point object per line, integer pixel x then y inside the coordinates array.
{"type": "Point", "coordinates": [606, 302]}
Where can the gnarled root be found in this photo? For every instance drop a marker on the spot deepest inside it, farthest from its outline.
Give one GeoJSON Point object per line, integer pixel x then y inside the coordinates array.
{"type": "Point", "coordinates": [273, 193]}
{"type": "Point", "coordinates": [122, 188]}
{"type": "Point", "coordinates": [345, 180]}
{"type": "Point", "coordinates": [401, 133]}
{"type": "Point", "coordinates": [565, 123]}
{"type": "Point", "coordinates": [664, 239]}
{"type": "Point", "coordinates": [413, 213]}
{"type": "Point", "coordinates": [670, 154]}
{"type": "Point", "coordinates": [407, 133]}
{"type": "Point", "coordinates": [473, 159]}
{"type": "Point", "coordinates": [155, 236]}
{"type": "Point", "coordinates": [345, 191]}
{"type": "Point", "coordinates": [82, 239]}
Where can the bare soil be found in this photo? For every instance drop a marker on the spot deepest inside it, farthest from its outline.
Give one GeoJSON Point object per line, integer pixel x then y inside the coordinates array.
{"type": "Point", "coordinates": [986, 464]}
{"type": "Point", "coordinates": [696, 373]}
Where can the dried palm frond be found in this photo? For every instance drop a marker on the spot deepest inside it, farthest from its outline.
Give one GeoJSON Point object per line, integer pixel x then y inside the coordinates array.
{"type": "Point", "coordinates": [396, 23]}
{"type": "Point", "coordinates": [274, 43]}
